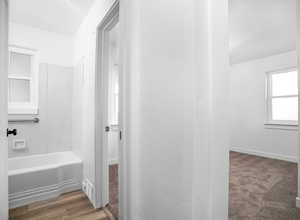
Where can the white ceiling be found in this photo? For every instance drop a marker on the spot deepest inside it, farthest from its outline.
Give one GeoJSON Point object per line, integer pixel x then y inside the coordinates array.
{"type": "Point", "coordinates": [260, 28]}
{"type": "Point", "coordinates": [61, 16]}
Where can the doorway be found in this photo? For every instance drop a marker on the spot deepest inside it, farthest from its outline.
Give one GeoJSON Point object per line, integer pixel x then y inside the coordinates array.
{"type": "Point", "coordinates": [108, 131]}
{"type": "Point", "coordinates": [264, 110]}
{"type": "Point", "coordinates": [113, 117]}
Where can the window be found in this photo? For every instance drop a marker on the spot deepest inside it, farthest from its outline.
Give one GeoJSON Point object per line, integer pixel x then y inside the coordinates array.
{"type": "Point", "coordinates": [22, 81]}
{"type": "Point", "coordinates": [282, 97]}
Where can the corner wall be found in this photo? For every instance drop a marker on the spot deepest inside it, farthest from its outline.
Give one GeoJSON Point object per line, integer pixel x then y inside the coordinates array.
{"type": "Point", "coordinates": [3, 109]}
{"type": "Point", "coordinates": [175, 61]}
{"type": "Point", "coordinates": [84, 88]}
{"type": "Point", "coordinates": [298, 56]}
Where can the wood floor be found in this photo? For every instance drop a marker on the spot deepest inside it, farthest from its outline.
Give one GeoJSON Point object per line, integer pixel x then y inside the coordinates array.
{"type": "Point", "coordinates": [70, 206]}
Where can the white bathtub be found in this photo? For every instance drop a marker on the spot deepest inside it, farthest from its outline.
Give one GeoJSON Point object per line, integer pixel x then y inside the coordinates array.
{"type": "Point", "coordinates": [40, 177]}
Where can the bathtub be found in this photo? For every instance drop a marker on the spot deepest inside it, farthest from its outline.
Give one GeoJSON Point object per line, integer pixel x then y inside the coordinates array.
{"type": "Point", "coordinates": [40, 177]}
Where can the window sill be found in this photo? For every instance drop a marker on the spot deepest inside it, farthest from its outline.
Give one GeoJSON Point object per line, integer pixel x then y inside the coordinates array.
{"type": "Point", "coordinates": [23, 111]}
{"type": "Point", "coordinates": [278, 126]}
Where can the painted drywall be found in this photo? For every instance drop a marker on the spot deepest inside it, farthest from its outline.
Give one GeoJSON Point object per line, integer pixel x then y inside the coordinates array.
{"type": "Point", "coordinates": [84, 91]}
{"type": "Point", "coordinates": [248, 132]}
{"type": "Point", "coordinates": [53, 48]}
{"type": "Point", "coordinates": [54, 131]}
{"type": "Point", "coordinates": [84, 88]}
{"type": "Point", "coordinates": [3, 109]}
{"type": "Point", "coordinates": [211, 135]}
{"type": "Point", "coordinates": [298, 64]}
{"type": "Point", "coordinates": [175, 134]}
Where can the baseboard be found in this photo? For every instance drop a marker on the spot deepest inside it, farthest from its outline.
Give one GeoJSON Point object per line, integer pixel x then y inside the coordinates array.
{"type": "Point", "coordinates": [298, 202]}
{"type": "Point", "coordinates": [113, 162]}
{"type": "Point", "coordinates": [42, 193]}
{"type": "Point", "coordinates": [265, 154]}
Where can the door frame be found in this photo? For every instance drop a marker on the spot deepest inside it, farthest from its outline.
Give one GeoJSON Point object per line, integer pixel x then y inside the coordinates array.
{"type": "Point", "coordinates": [3, 106]}
{"type": "Point", "coordinates": [101, 112]}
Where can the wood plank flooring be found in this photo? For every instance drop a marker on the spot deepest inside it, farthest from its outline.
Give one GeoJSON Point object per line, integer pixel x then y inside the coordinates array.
{"type": "Point", "coordinates": [70, 206]}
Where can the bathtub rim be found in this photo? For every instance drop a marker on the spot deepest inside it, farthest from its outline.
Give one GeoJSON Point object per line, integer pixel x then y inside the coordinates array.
{"type": "Point", "coordinates": [75, 160]}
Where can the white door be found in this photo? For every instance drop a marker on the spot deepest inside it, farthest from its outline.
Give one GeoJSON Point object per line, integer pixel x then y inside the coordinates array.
{"type": "Point", "coordinates": [110, 98]}
{"type": "Point", "coordinates": [103, 124]}
{"type": "Point", "coordinates": [3, 109]}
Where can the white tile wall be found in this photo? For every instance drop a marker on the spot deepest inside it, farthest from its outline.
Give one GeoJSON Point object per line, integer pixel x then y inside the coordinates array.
{"type": "Point", "coordinates": [54, 132]}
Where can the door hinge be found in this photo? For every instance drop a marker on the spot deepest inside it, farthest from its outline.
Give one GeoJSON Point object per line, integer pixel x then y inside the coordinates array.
{"type": "Point", "coordinates": [120, 135]}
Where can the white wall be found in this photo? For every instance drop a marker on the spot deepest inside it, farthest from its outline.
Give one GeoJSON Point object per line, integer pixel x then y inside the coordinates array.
{"type": "Point", "coordinates": [248, 132]}
{"type": "Point", "coordinates": [3, 109]}
{"type": "Point", "coordinates": [54, 132]}
{"type": "Point", "coordinates": [175, 132]}
{"type": "Point", "coordinates": [53, 48]}
{"type": "Point", "coordinates": [298, 64]}
{"type": "Point", "coordinates": [84, 88]}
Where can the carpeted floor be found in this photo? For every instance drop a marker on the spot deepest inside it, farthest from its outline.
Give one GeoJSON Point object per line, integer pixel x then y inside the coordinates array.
{"type": "Point", "coordinates": [262, 189]}
{"type": "Point", "coordinates": [113, 191]}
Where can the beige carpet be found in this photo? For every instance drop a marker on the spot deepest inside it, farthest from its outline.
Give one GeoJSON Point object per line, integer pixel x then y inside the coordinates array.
{"type": "Point", "coordinates": [262, 189]}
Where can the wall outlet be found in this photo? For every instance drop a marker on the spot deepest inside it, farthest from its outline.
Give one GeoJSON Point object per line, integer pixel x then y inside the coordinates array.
{"type": "Point", "coordinates": [84, 186]}
{"type": "Point", "coordinates": [19, 144]}
{"type": "Point", "coordinates": [88, 189]}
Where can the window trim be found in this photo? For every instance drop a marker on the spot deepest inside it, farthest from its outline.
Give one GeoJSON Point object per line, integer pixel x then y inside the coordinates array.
{"type": "Point", "coordinates": [268, 99]}
{"type": "Point", "coordinates": [28, 108]}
